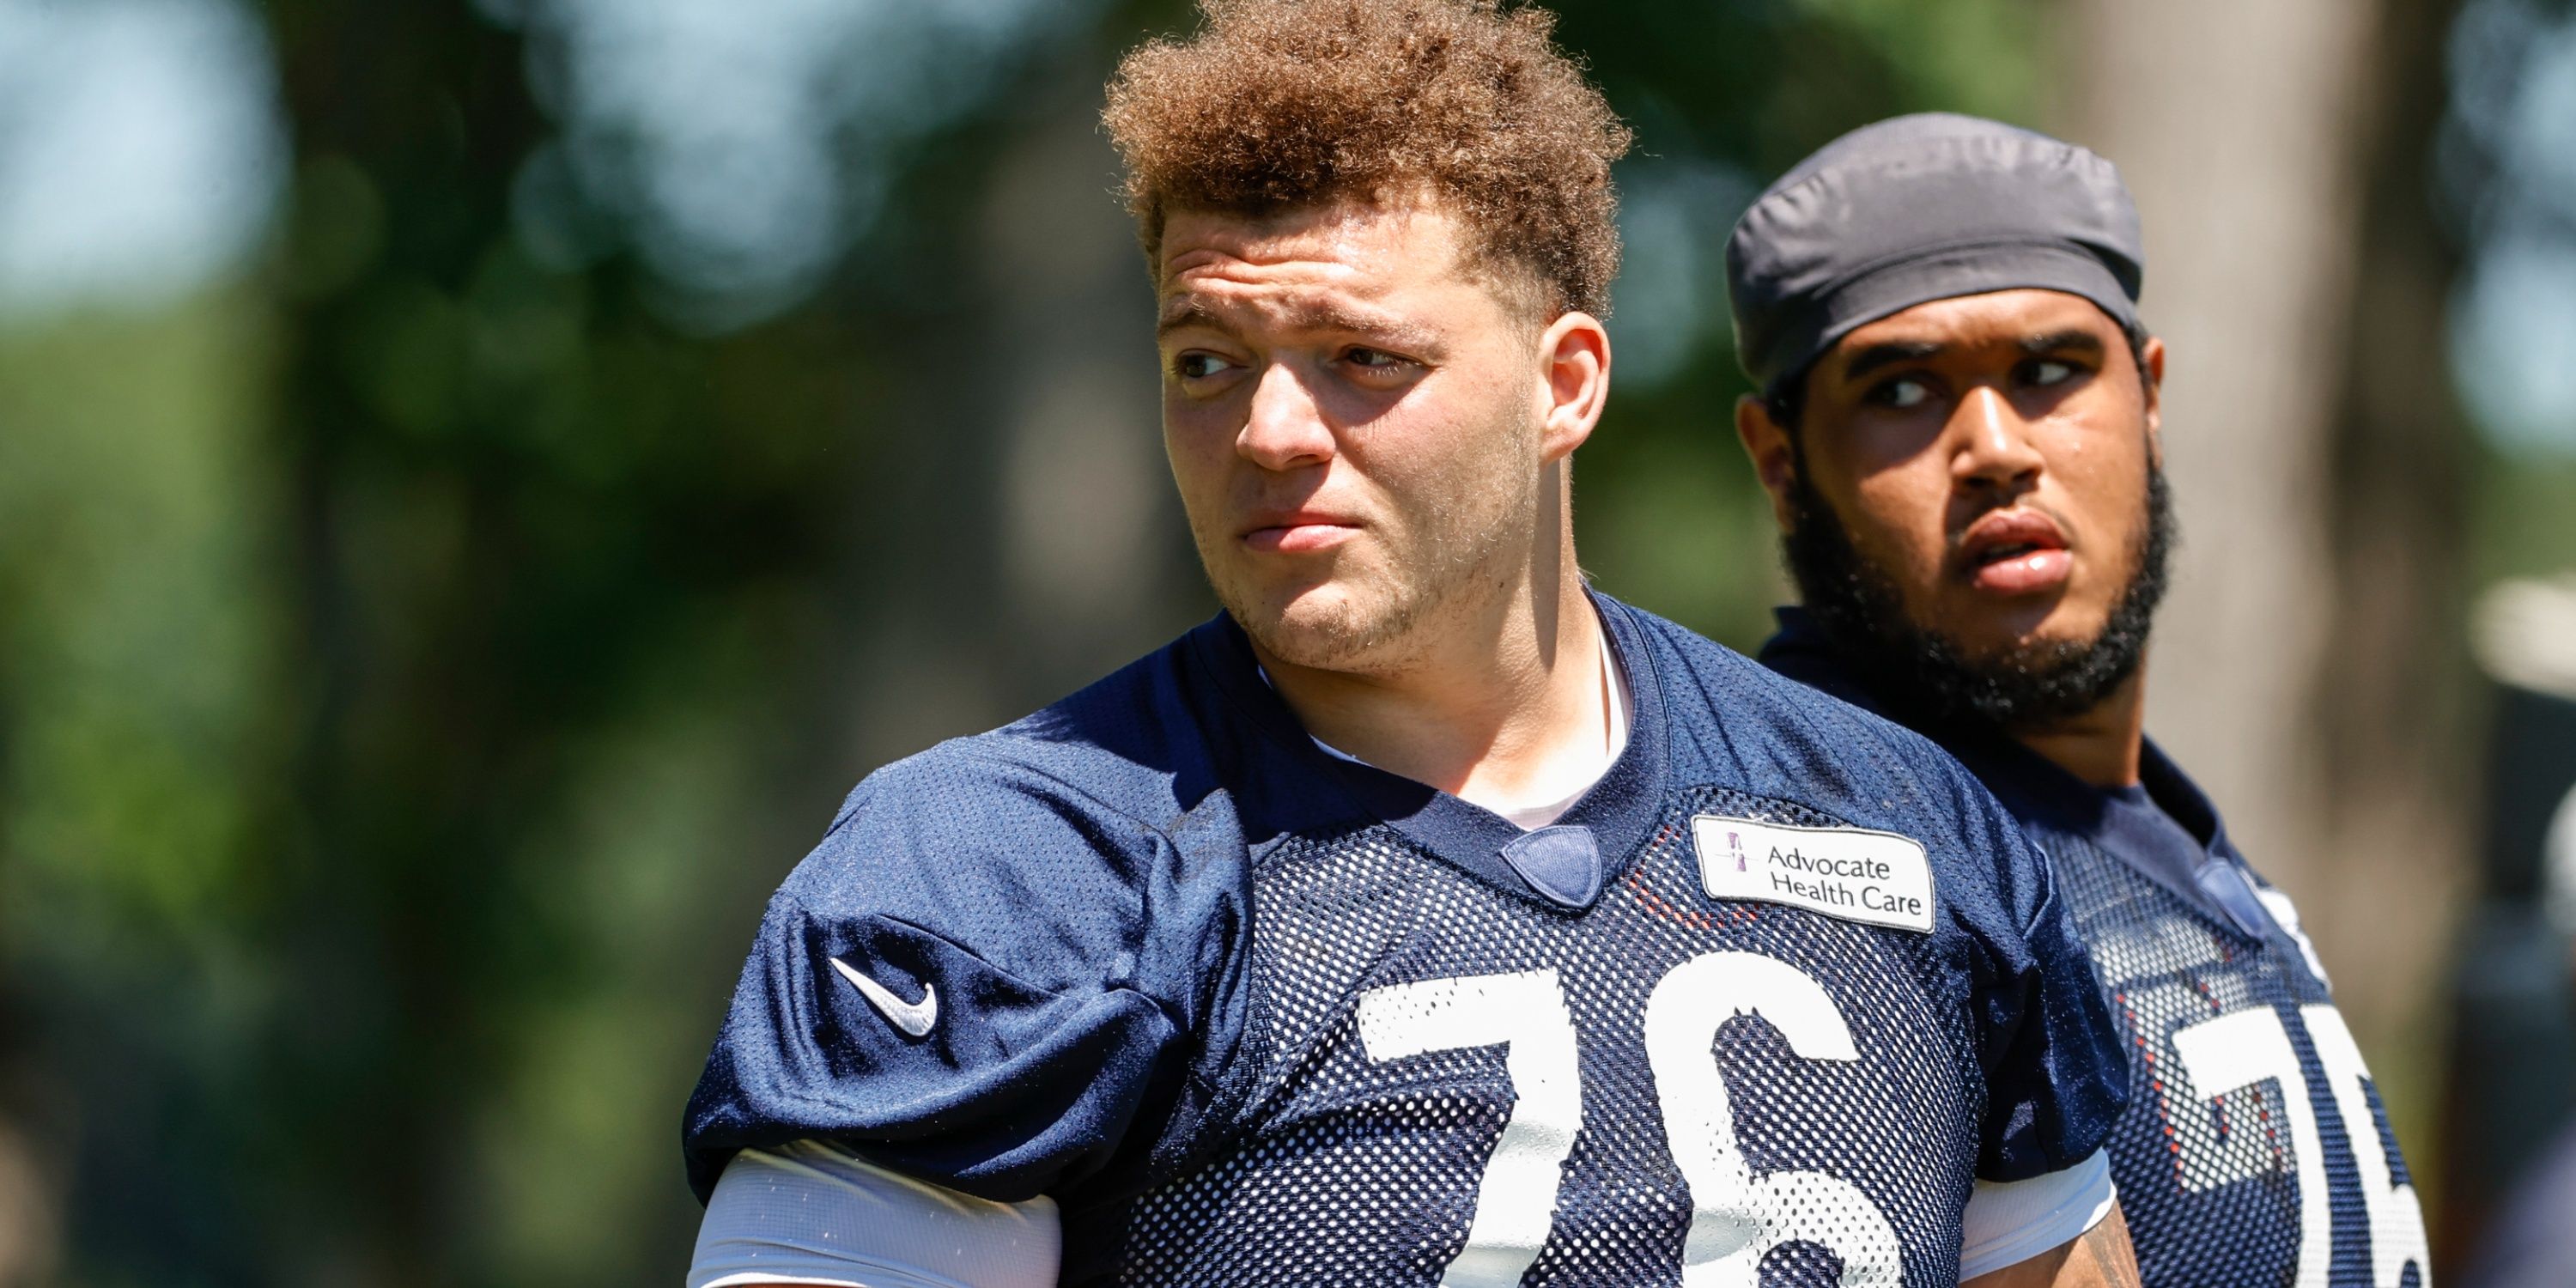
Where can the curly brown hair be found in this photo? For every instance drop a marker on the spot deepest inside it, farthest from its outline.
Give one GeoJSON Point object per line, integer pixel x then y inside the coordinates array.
{"type": "Point", "coordinates": [1285, 103]}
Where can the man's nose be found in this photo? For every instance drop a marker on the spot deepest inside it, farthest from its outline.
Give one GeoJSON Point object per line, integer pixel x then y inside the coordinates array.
{"type": "Point", "coordinates": [1994, 449]}
{"type": "Point", "coordinates": [1285, 430]}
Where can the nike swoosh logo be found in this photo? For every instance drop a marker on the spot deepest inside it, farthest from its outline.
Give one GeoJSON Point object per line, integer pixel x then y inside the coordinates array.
{"type": "Point", "coordinates": [914, 1018]}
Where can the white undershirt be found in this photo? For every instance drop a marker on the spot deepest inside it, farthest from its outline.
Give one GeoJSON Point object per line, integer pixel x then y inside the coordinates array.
{"type": "Point", "coordinates": [812, 1212]}
{"type": "Point", "coordinates": [1566, 781]}
{"type": "Point", "coordinates": [2009, 1222]}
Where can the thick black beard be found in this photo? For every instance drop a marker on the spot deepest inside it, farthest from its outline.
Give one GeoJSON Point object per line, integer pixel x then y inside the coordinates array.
{"type": "Point", "coordinates": [1926, 673]}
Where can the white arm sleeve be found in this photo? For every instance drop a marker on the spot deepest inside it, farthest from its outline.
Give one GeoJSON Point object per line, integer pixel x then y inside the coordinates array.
{"type": "Point", "coordinates": [2008, 1223]}
{"type": "Point", "coordinates": [815, 1213]}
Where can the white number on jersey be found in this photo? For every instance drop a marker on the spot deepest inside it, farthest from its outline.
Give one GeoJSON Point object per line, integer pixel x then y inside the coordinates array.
{"type": "Point", "coordinates": [2396, 1219]}
{"type": "Point", "coordinates": [2243, 1048]}
{"type": "Point", "coordinates": [1525, 1014]}
{"type": "Point", "coordinates": [1736, 1216]}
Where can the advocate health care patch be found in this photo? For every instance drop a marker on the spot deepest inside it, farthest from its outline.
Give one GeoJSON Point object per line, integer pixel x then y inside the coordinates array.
{"type": "Point", "coordinates": [1848, 872]}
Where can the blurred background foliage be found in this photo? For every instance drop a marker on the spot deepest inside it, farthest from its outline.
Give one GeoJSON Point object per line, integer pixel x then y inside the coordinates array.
{"type": "Point", "coordinates": [478, 481]}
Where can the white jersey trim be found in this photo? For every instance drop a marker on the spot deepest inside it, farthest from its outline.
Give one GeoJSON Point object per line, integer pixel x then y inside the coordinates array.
{"type": "Point", "coordinates": [812, 1212]}
{"type": "Point", "coordinates": [2010, 1222]}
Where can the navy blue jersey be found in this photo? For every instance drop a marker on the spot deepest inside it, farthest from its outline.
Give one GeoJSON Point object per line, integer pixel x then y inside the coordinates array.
{"type": "Point", "coordinates": [2255, 1152]}
{"type": "Point", "coordinates": [1252, 1015]}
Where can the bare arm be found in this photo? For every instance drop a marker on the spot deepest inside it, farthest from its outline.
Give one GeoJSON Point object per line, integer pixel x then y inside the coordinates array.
{"type": "Point", "coordinates": [2100, 1258]}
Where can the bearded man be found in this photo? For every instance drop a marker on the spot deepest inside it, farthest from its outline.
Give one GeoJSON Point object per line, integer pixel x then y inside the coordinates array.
{"type": "Point", "coordinates": [1424, 917]}
{"type": "Point", "coordinates": [1958, 425]}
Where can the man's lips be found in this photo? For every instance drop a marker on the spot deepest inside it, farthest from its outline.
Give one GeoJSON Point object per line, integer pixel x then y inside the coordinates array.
{"type": "Point", "coordinates": [1298, 532]}
{"type": "Point", "coordinates": [2016, 552]}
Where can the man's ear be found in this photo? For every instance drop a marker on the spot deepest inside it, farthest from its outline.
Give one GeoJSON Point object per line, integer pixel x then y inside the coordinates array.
{"type": "Point", "coordinates": [1775, 462]}
{"type": "Point", "coordinates": [2151, 382]}
{"type": "Point", "coordinates": [1574, 354]}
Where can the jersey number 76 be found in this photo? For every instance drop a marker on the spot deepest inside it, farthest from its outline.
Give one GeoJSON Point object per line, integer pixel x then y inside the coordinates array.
{"type": "Point", "coordinates": [1736, 1216]}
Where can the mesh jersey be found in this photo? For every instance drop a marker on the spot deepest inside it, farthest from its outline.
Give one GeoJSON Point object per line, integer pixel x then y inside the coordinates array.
{"type": "Point", "coordinates": [1252, 1015]}
{"type": "Point", "coordinates": [2254, 1152]}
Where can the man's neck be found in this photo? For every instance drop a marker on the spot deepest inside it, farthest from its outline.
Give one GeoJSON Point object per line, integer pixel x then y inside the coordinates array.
{"type": "Point", "coordinates": [2103, 746]}
{"type": "Point", "coordinates": [1492, 711]}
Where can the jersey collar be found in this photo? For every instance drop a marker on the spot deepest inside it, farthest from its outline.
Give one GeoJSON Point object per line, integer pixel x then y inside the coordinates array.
{"type": "Point", "coordinates": [2041, 794]}
{"type": "Point", "coordinates": [1613, 821]}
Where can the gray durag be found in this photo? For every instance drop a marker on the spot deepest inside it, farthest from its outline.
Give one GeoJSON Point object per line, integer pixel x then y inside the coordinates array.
{"type": "Point", "coordinates": [1922, 208]}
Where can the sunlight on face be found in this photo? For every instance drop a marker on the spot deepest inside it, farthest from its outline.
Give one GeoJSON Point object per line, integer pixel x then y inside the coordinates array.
{"type": "Point", "coordinates": [1353, 418]}
{"type": "Point", "coordinates": [1989, 454]}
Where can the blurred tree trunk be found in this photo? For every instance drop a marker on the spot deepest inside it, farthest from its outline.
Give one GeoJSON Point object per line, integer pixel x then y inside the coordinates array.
{"type": "Point", "coordinates": [28, 1229]}
{"type": "Point", "coordinates": [2304, 664]}
{"type": "Point", "coordinates": [373, 1073]}
{"type": "Point", "coordinates": [2399, 752]}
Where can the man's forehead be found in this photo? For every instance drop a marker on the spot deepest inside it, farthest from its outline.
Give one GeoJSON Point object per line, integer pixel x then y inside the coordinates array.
{"type": "Point", "coordinates": [1995, 317]}
{"type": "Point", "coordinates": [1350, 268]}
{"type": "Point", "coordinates": [1300, 310]}
{"type": "Point", "coordinates": [1357, 248]}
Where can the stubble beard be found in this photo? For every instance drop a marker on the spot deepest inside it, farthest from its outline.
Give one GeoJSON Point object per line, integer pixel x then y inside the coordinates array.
{"type": "Point", "coordinates": [2026, 689]}
{"type": "Point", "coordinates": [1426, 572]}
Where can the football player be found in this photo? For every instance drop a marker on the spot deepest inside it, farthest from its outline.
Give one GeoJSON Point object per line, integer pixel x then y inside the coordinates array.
{"type": "Point", "coordinates": [1958, 427]}
{"type": "Point", "coordinates": [1424, 917]}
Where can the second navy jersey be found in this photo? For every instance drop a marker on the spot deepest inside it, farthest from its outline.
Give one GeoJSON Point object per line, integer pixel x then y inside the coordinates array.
{"type": "Point", "coordinates": [1760, 1009]}
{"type": "Point", "coordinates": [2254, 1152]}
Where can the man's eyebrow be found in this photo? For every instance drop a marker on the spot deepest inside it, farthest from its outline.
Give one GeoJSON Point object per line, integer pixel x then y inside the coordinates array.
{"type": "Point", "coordinates": [1395, 330]}
{"type": "Point", "coordinates": [1893, 352]}
{"type": "Point", "coordinates": [1319, 315]}
{"type": "Point", "coordinates": [1890, 354]}
{"type": "Point", "coordinates": [2069, 340]}
{"type": "Point", "coordinates": [1184, 313]}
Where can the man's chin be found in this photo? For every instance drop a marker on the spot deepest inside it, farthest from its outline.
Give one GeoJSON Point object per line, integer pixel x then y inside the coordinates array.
{"type": "Point", "coordinates": [1320, 627]}
{"type": "Point", "coordinates": [2025, 654]}
{"type": "Point", "coordinates": [2022, 637]}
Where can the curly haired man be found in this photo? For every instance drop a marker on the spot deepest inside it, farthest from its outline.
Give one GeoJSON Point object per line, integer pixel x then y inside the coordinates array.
{"type": "Point", "coordinates": [1425, 916]}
